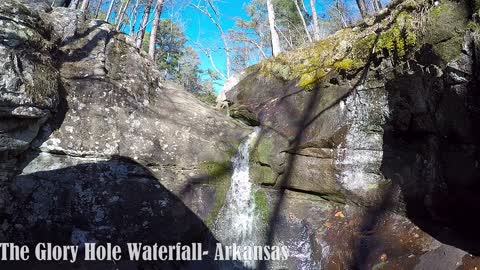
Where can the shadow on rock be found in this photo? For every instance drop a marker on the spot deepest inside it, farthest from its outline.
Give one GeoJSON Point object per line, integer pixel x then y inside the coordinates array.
{"type": "Point", "coordinates": [431, 149]}
{"type": "Point", "coordinates": [112, 201]}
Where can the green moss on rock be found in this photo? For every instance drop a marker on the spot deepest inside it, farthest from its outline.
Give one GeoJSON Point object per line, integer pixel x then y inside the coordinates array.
{"type": "Point", "coordinates": [446, 25]}
{"type": "Point", "coordinates": [262, 151]}
{"type": "Point", "coordinates": [44, 84]}
{"type": "Point", "coordinates": [400, 38]}
{"type": "Point", "coordinates": [262, 174]}
{"type": "Point", "coordinates": [347, 64]}
{"type": "Point", "coordinates": [218, 175]}
{"type": "Point", "coordinates": [261, 205]}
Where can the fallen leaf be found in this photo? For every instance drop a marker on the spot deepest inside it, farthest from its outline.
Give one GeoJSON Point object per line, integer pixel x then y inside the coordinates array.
{"type": "Point", "coordinates": [339, 214]}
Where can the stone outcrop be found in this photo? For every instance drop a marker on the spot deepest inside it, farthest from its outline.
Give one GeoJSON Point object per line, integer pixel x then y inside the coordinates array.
{"type": "Point", "coordinates": [381, 122]}
{"type": "Point", "coordinates": [94, 147]}
{"type": "Point", "coordinates": [367, 158]}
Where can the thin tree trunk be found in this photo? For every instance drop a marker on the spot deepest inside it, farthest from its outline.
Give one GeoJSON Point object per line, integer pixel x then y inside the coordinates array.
{"type": "Point", "coordinates": [303, 20]}
{"type": "Point", "coordinates": [153, 33]}
{"type": "Point", "coordinates": [118, 13]}
{"type": "Point", "coordinates": [222, 34]}
{"type": "Point", "coordinates": [143, 25]}
{"type": "Point", "coordinates": [84, 5]}
{"type": "Point", "coordinates": [133, 20]}
{"type": "Point", "coordinates": [121, 15]}
{"type": "Point", "coordinates": [362, 7]}
{"type": "Point", "coordinates": [110, 8]}
{"type": "Point", "coordinates": [97, 10]}
{"type": "Point", "coordinates": [289, 43]}
{"type": "Point", "coordinates": [73, 4]}
{"type": "Point", "coordinates": [273, 32]}
{"type": "Point", "coordinates": [377, 5]}
{"type": "Point", "coordinates": [316, 25]}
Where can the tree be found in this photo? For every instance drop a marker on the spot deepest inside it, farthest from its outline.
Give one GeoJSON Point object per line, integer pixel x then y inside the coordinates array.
{"type": "Point", "coordinates": [97, 9]}
{"type": "Point", "coordinates": [153, 35]}
{"type": "Point", "coordinates": [73, 4]}
{"type": "Point", "coordinates": [133, 18]}
{"type": "Point", "coordinates": [122, 14]}
{"type": "Point", "coordinates": [110, 8]}
{"type": "Point", "coordinates": [84, 5]}
{"type": "Point", "coordinates": [170, 43]}
{"type": "Point", "coordinates": [339, 14]}
{"type": "Point", "coordinates": [273, 32]}
{"type": "Point", "coordinates": [316, 25]}
{"type": "Point", "coordinates": [300, 14]}
{"type": "Point", "coordinates": [377, 5]}
{"type": "Point", "coordinates": [208, 8]}
{"type": "Point", "coordinates": [362, 7]}
{"type": "Point", "coordinates": [180, 63]}
{"type": "Point", "coordinates": [143, 25]}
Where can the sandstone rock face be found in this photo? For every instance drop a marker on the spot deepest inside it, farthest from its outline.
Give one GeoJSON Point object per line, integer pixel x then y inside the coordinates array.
{"type": "Point", "coordinates": [94, 147]}
{"type": "Point", "coordinates": [392, 129]}
{"type": "Point", "coordinates": [367, 159]}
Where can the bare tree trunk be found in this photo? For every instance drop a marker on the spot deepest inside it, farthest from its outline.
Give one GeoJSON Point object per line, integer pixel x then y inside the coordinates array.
{"type": "Point", "coordinates": [273, 32]}
{"type": "Point", "coordinates": [153, 33]}
{"type": "Point", "coordinates": [133, 19]}
{"type": "Point", "coordinates": [303, 20]}
{"type": "Point", "coordinates": [110, 8]}
{"type": "Point", "coordinates": [316, 25]}
{"type": "Point", "coordinates": [143, 25]}
{"type": "Point", "coordinates": [84, 5]}
{"type": "Point", "coordinates": [73, 4]}
{"type": "Point", "coordinates": [377, 5]}
{"type": "Point", "coordinates": [122, 14]}
{"type": "Point", "coordinates": [119, 12]}
{"type": "Point", "coordinates": [362, 7]}
{"type": "Point", "coordinates": [97, 10]}
{"type": "Point", "coordinates": [220, 29]}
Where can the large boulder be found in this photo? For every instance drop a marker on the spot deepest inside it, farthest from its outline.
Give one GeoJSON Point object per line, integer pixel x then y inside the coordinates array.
{"type": "Point", "coordinates": [94, 147]}
{"type": "Point", "coordinates": [382, 116]}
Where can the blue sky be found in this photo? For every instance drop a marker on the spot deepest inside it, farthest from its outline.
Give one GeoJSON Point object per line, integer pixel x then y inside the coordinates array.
{"type": "Point", "coordinates": [200, 30]}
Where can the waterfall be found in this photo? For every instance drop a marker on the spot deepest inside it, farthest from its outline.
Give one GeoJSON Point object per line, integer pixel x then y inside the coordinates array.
{"type": "Point", "coordinates": [236, 221]}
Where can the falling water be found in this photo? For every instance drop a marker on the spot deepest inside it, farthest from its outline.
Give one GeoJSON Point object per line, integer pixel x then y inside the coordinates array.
{"type": "Point", "coordinates": [237, 217]}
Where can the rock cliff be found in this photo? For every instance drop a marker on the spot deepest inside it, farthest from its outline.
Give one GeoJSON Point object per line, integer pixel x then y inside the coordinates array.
{"type": "Point", "coordinates": [94, 147]}
{"type": "Point", "coordinates": [367, 157]}
{"type": "Point", "coordinates": [379, 121]}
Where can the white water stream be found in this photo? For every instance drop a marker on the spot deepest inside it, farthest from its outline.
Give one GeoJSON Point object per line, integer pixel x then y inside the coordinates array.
{"type": "Point", "coordinates": [237, 217]}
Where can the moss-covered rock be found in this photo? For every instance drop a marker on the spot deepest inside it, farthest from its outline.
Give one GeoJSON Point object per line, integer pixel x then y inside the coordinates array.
{"type": "Point", "coordinates": [262, 174]}
{"type": "Point", "coordinates": [217, 174]}
{"type": "Point", "coordinates": [262, 207]}
{"type": "Point", "coordinates": [445, 27]}
{"type": "Point", "coordinates": [400, 38]}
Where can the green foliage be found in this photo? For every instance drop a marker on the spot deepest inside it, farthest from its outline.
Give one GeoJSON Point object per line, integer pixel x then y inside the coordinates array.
{"type": "Point", "coordinates": [170, 46]}
{"type": "Point", "coordinates": [347, 64]}
{"type": "Point", "coordinates": [179, 62]}
{"type": "Point", "coordinates": [400, 38]}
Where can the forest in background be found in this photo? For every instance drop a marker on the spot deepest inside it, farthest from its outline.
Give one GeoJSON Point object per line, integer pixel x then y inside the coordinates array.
{"type": "Point", "coordinates": [271, 26]}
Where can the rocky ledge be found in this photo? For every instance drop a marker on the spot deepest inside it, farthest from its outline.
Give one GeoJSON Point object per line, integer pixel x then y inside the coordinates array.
{"type": "Point", "coordinates": [380, 123]}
